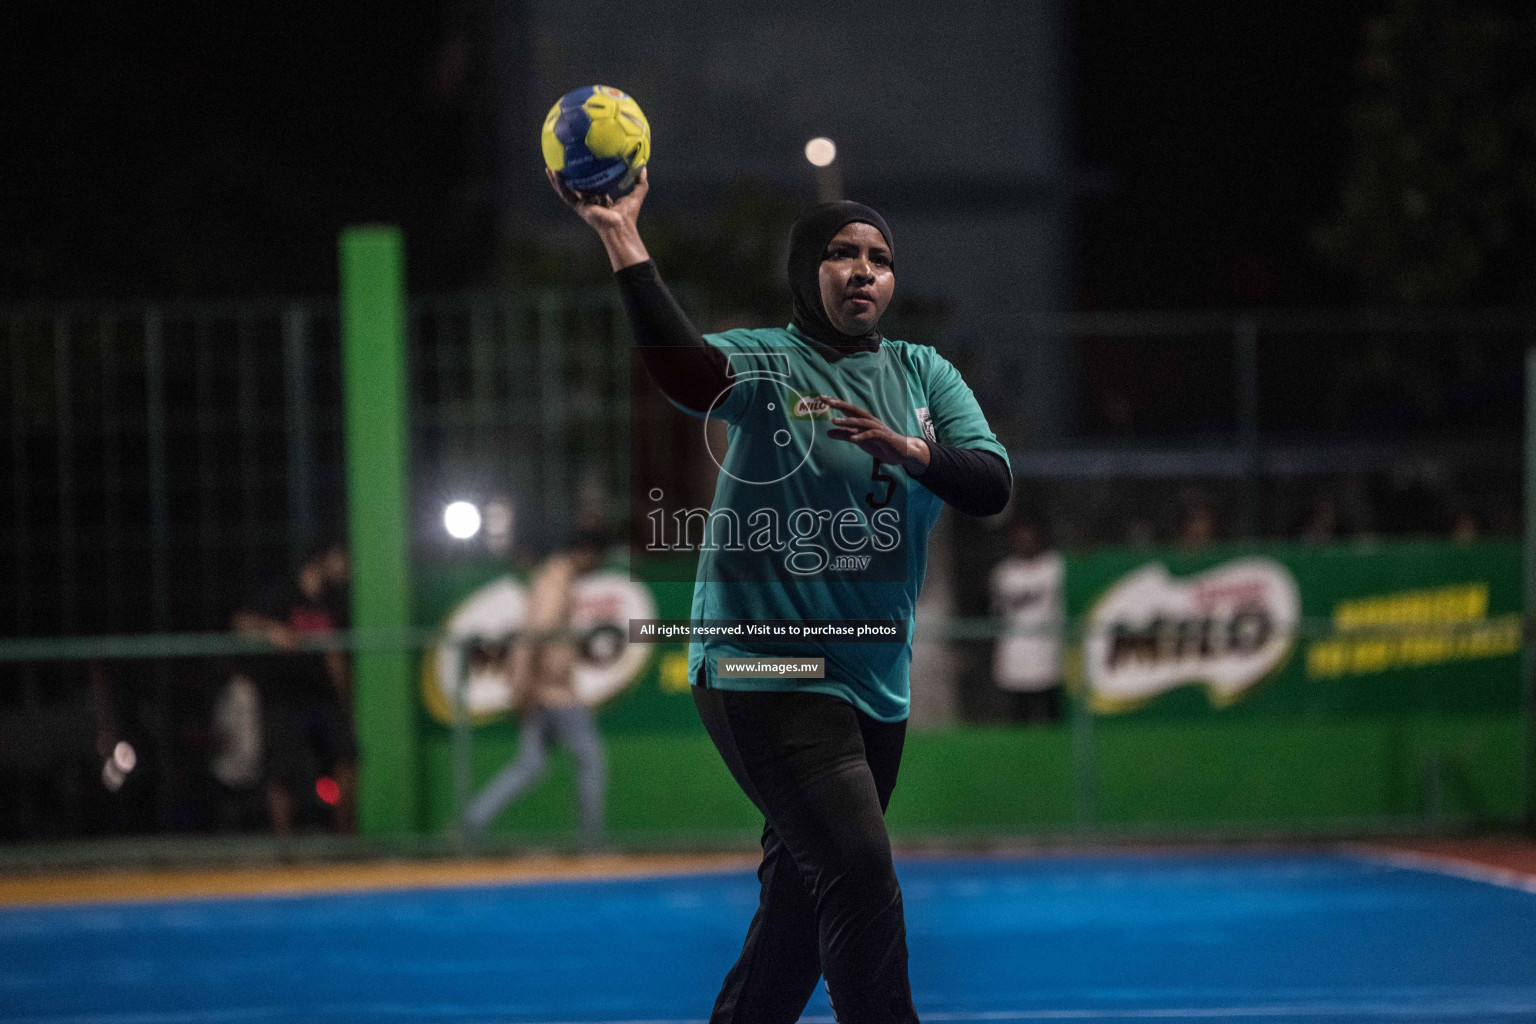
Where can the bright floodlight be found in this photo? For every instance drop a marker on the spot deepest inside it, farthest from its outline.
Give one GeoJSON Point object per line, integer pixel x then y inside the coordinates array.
{"type": "Point", "coordinates": [461, 520]}
{"type": "Point", "coordinates": [820, 151]}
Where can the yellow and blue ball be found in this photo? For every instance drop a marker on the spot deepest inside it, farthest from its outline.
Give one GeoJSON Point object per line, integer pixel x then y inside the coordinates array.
{"type": "Point", "coordinates": [597, 139]}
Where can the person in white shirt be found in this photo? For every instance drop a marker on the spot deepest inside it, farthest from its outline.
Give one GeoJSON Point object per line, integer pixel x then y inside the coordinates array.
{"type": "Point", "coordinates": [1026, 590]}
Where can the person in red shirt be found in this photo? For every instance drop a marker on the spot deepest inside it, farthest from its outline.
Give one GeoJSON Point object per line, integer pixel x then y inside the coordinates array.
{"type": "Point", "coordinates": [306, 696]}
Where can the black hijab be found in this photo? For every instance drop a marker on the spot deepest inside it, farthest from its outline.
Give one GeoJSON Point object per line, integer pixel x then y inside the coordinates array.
{"type": "Point", "coordinates": [807, 247]}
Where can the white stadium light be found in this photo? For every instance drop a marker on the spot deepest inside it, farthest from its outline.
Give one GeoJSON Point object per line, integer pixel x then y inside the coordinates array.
{"type": "Point", "coordinates": [462, 520]}
{"type": "Point", "coordinates": [821, 151]}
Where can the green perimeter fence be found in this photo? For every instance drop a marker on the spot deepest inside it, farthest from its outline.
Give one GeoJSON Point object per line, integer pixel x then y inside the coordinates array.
{"type": "Point", "coordinates": [1273, 690]}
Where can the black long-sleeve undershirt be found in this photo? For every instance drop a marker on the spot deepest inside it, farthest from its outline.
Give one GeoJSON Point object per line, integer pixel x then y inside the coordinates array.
{"type": "Point", "coordinates": [974, 481]}
{"type": "Point", "coordinates": [694, 374]}
{"type": "Point", "coordinates": [689, 370]}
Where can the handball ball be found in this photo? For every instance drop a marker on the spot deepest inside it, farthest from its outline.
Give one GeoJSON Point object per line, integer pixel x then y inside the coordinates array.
{"type": "Point", "coordinates": [596, 139]}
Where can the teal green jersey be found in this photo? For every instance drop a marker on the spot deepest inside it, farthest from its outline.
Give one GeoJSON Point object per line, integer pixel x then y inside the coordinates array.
{"type": "Point", "coordinates": [807, 526]}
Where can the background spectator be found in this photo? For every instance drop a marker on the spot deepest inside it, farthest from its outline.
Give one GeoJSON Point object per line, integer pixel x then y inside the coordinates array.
{"type": "Point", "coordinates": [1026, 589]}
{"type": "Point", "coordinates": [541, 675]}
{"type": "Point", "coordinates": [306, 696]}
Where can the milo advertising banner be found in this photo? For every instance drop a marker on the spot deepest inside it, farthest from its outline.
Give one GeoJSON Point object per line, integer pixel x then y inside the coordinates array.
{"type": "Point", "coordinates": [481, 608]}
{"type": "Point", "coordinates": [603, 604]}
{"type": "Point", "coordinates": [1262, 630]}
{"type": "Point", "coordinates": [1275, 629]}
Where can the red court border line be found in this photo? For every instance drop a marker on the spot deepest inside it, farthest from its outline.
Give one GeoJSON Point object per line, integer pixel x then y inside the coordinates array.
{"type": "Point", "coordinates": [1475, 868]}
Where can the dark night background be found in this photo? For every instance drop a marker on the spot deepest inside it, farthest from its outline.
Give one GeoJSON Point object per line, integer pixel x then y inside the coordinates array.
{"type": "Point", "coordinates": [199, 149]}
{"type": "Point", "coordinates": [1223, 130]}
{"type": "Point", "coordinates": [195, 149]}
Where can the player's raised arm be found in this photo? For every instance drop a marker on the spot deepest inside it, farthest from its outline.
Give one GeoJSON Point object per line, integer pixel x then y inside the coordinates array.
{"type": "Point", "coordinates": [689, 371]}
{"type": "Point", "coordinates": [614, 220]}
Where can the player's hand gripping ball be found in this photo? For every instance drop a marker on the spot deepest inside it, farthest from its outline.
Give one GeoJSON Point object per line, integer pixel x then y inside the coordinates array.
{"type": "Point", "coordinates": [596, 140]}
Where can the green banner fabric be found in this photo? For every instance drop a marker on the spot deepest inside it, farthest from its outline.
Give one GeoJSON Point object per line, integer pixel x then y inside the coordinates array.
{"type": "Point", "coordinates": [1290, 630]}
{"type": "Point", "coordinates": [1274, 688]}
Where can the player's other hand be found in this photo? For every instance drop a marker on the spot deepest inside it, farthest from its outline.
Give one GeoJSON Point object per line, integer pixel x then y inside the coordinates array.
{"type": "Point", "coordinates": [870, 433]}
{"type": "Point", "coordinates": [604, 213]}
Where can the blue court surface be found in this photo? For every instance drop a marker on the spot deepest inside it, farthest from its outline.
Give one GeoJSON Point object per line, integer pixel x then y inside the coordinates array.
{"type": "Point", "coordinates": [1308, 937]}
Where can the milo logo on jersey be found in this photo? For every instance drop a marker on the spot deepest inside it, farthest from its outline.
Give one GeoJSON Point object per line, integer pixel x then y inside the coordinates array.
{"type": "Point", "coordinates": [1227, 628]}
{"type": "Point", "coordinates": [811, 407]}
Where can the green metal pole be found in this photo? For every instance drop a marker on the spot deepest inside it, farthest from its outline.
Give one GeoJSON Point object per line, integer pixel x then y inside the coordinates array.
{"type": "Point", "coordinates": [1527, 655]}
{"type": "Point", "coordinates": [373, 354]}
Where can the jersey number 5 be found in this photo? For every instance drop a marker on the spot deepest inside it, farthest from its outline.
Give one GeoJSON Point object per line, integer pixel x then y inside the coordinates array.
{"type": "Point", "coordinates": [880, 476]}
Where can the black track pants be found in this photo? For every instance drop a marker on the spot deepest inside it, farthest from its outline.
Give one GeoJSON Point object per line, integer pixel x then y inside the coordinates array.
{"type": "Point", "coordinates": [821, 771]}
